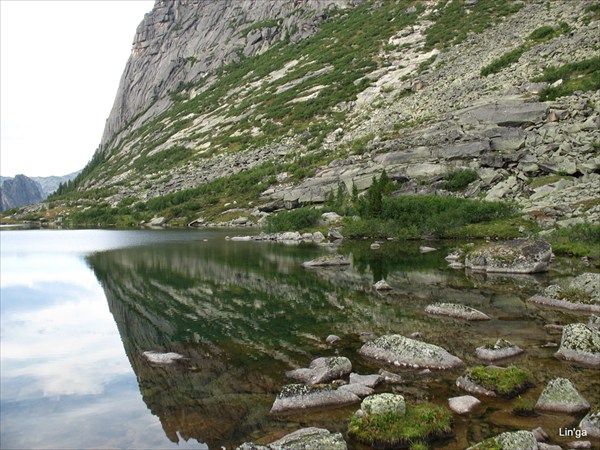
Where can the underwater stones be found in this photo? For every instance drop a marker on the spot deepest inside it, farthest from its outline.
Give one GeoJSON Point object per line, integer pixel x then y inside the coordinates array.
{"type": "Point", "coordinates": [402, 351]}
{"type": "Point", "coordinates": [383, 404]}
{"type": "Point", "coordinates": [514, 256]}
{"type": "Point", "coordinates": [591, 424]}
{"type": "Point", "coordinates": [322, 370]}
{"type": "Point", "coordinates": [512, 440]}
{"type": "Point", "coordinates": [560, 395]}
{"type": "Point", "coordinates": [463, 404]}
{"type": "Point", "coordinates": [456, 310]}
{"type": "Point", "coordinates": [304, 439]}
{"type": "Point", "coordinates": [580, 343]}
{"type": "Point", "coordinates": [299, 397]}
{"type": "Point", "coordinates": [327, 261]}
{"type": "Point", "coordinates": [582, 294]}
{"type": "Point", "coordinates": [500, 350]}
{"type": "Point", "coordinates": [163, 358]}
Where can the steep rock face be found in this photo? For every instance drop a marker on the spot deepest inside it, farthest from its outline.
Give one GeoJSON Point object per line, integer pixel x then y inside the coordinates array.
{"type": "Point", "coordinates": [182, 41]}
{"type": "Point", "coordinates": [19, 191]}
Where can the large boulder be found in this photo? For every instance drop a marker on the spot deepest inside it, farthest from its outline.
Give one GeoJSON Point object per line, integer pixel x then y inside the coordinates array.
{"type": "Point", "coordinates": [580, 343]}
{"type": "Point", "coordinates": [581, 294]}
{"type": "Point", "coordinates": [456, 310]}
{"type": "Point", "coordinates": [515, 256]}
{"type": "Point", "coordinates": [322, 370]}
{"type": "Point", "coordinates": [560, 395]}
{"type": "Point", "coordinates": [505, 112]}
{"type": "Point", "coordinates": [299, 397]}
{"type": "Point", "coordinates": [304, 439]}
{"type": "Point", "coordinates": [402, 351]}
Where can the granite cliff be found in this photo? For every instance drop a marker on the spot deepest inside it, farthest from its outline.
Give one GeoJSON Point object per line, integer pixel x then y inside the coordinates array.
{"type": "Point", "coordinates": [19, 191]}
{"type": "Point", "coordinates": [230, 110]}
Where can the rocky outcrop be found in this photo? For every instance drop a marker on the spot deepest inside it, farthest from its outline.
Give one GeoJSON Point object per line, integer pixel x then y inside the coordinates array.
{"type": "Point", "coordinates": [581, 344]}
{"type": "Point", "coordinates": [456, 310]}
{"type": "Point", "coordinates": [304, 439]}
{"type": "Point", "coordinates": [515, 256]}
{"type": "Point", "coordinates": [19, 191]}
{"type": "Point", "coordinates": [401, 351]}
{"type": "Point", "coordinates": [560, 395]}
{"type": "Point", "coordinates": [299, 398]}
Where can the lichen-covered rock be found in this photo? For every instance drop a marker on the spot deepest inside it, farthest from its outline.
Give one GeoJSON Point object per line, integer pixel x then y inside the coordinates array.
{"type": "Point", "coordinates": [500, 350]}
{"type": "Point", "coordinates": [594, 322]}
{"type": "Point", "coordinates": [323, 370]}
{"type": "Point", "coordinates": [299, 397]}
{"type": "Point", "coordinates": [402, 351]}
{"type": "Point", "coordinates": [463, 404]}
{"type": "Point", "coordinates": [591, 424]}
{"type": "Point", "coordinates": [384, 403]}
{"type": "Point", "coordinates": [512, 440]}
{"type": "Point", "coordinates": [560, 395]}
{"type": "Point", "coordinates": [581, 294]}
{"type": "Point", "coordinates": [515, 256]}
{"type": "Point", "coordinates": [580, 343]}
{"type": "Point", "coordinates": [328, 261]}
{"type": "Point", "coordinates": [304, 439]}
{"type": "Point", "coordinates": [456, 310]}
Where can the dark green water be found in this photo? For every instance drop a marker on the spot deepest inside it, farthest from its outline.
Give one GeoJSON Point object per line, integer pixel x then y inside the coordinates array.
{"type": "Point", "coordinates": [242, 313]}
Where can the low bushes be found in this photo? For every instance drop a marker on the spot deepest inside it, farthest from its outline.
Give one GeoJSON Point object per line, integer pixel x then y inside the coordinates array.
{"type": "Point", "coordinates": [294, 220]}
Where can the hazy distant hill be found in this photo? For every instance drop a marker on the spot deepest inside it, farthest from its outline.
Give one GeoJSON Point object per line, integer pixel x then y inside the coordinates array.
{"type": "Point", "coordinates": [22, 190]}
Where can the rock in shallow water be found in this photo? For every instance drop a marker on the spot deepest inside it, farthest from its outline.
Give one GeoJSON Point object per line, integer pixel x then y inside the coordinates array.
{"type": "Point", "coordinates": [463, 404]}
{"type": "Point", "coordinates": [401, 351]}
{"type": "Point", "coordinates": [513, 440]}
{"type": "Point", "coordinates": [299, 397]}
{"type": "Point", "coordinates": [560, 395]}
{"type": "Point", "coordinates": [502, 349]}
{"type": "Point", "coordinates": [304, 439]}
{"type": "Point", "coordinates": [322, 370]}
{"type": "Point", "coordinates": [515, 256]}
{"type": "Point", "coordinates": [580, 343]}
{"type": "Point", "coordinates": [457, 311]}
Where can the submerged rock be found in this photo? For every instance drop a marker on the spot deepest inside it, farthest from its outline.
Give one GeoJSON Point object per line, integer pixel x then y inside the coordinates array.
{"type": "Point", "coordinates": [463, 404]}
{"type": "Point", "coordinates": [304, 439]}
{"type": "Point", "coordinates": [328, 261]}
{"type": "Point", "coordinates": [515, 256]}
{"type": "Point", "coordinates": [299, 397]}
{"type": "Point", "coordinates": [512, 440]}
{"type": "Point", "coordinates": [401, 351]}
{"type": "Point", "coordinates": [580, 343]}
{"type": "Point", "coordinates": [456, 310]}
{"type": "Point", "coordinates": [560, 395]}
{"type": "Point", "coordinates": [500, 350]}
{"type": "Point", "coordinates": [322, 370]}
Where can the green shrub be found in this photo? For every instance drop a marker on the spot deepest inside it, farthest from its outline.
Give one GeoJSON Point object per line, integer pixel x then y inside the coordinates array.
{"type": "Point", "coordinates": [542, 33]}
{"type": "Point", "coordinates": [578, 76]}
{"type": "Point", "coordinates": [503, 61]}
{"type": "Point", "coordinates": [459, 179]}
{"type": "Point", "coordinates": [294, 220]}
{"type": "Point", "coordinates": [577, 240]}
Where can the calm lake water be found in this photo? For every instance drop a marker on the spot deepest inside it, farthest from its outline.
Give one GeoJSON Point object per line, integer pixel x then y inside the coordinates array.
{"type": "Point", "coordinates": [80, 307]}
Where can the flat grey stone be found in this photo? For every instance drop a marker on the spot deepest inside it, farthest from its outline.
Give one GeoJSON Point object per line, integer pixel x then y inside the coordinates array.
{"type": "Point", "coordinates": [463, 404]}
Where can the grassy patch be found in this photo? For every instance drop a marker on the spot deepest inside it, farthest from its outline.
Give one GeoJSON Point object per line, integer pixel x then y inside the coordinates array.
{"type": "Point", "coordinates": [421, 422]}
{"type": "Point", "coordinates": [578, 76]}
{"type": "Point", "coordinates": [577, 240]}
{"type": "Point", "coordinates": [294, 220]}
{"type": "Point", "coordinates": [506, 382]}
{"type": "Point", "coordinates": [458, 180]}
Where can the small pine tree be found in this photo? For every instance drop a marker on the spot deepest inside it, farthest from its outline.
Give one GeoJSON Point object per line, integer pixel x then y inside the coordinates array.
{"type": "Point", "coordinates": [354, 193]}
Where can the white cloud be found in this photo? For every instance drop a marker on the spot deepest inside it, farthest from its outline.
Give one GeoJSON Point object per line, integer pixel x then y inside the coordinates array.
{"type": "Point", "coordinates": [61, 62]}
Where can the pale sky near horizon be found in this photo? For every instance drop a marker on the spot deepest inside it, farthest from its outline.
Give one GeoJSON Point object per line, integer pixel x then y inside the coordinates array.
{"type": "Point", "coordinates": [60, 66]}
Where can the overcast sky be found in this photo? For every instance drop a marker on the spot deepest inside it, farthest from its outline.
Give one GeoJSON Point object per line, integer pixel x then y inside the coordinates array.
{"type": "Point", "coordinates": [61, 62]}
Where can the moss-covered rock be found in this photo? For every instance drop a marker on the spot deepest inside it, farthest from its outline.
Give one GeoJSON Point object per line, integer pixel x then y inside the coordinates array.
{"type": "Point", "coordinates": [515, 256]}
{"type": "Point", "coordinates": [580, 343]}
{"type": "Point", "coordinates": [456, 310]}
{"type": "Point", "coordinates": [561, 395]}
{"type": "Point", "coordinates": [401, 351]}
{"type": "Point", "coordinates": [513, 440]}
{"type": "Point", "coordinates": [495, 381]}
{"type": "Point", "coordinates": [419, 423]}
{"type": "Point", "coordinates": [304, 439]}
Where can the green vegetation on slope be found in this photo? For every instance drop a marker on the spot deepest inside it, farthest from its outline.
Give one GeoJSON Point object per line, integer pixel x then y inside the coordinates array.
{"type": "Point", "coordinates": [578, 76]}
